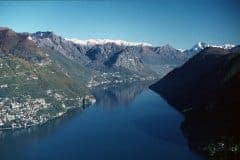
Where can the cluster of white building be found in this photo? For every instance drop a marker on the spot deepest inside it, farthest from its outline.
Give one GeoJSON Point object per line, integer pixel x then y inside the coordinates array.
{"type": "Point", "coordinates": [16, 115]}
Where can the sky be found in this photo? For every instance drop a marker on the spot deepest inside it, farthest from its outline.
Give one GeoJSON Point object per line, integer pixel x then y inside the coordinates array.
{"type": "Point", "coordinates": [180, 23]}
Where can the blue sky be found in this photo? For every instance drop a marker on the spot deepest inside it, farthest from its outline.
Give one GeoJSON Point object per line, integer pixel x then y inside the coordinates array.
{"type": "Point", "coordinates": [179, 23]}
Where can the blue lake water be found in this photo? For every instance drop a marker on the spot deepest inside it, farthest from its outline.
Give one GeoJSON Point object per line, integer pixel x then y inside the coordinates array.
{"type": "Point", "coordinates": [126, 123]}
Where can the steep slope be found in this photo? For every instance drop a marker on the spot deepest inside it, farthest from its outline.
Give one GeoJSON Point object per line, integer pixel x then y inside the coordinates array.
{"type": "Point", "coordinates": [162, 59]}
{"type": "Point", "coordinates": [206, 90]}
{"type": "Point", "coordinates": [114, 61]}
{"type": "Point", "coordinates": [34, 88]}
{"type": "Point", "coordinates": [200, 76]}
{"type": "Point", "coordinates": [117, 61]}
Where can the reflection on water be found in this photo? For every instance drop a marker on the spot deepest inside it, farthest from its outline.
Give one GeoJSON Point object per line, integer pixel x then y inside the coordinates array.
{"type": "Point", "coordinates": [115, 95]}
{"type": "Point", "coordinates": [108, 97]}
{"type": "Point", "coordinates": [142, 126]}
{"type": "Point", "coordinates": [21, 137]}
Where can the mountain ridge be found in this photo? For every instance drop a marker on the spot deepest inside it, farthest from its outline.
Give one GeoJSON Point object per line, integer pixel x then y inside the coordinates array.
{"type": "Point", "coordinates": [206, 90]}
{"type": "Point", "coordinates": [132, 60]}
{"type": "Point", "coordinates": [102, 41]}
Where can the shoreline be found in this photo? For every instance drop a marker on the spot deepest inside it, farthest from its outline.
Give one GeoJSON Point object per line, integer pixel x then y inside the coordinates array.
{"type": "Point", "coordinates": [53, 118]}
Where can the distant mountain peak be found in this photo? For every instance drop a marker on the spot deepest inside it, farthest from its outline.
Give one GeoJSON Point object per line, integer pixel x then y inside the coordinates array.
{"type": "Point", "coordinates": [167, 46]}
{"type": "Point", "coordinates": [202, 45]}
{"type": "Point", "coordinates": [45, 34]}
{"type": "Point", "coordinates": [181, 50]}
{"type": "Point", "coordinates": [106, 41]}
{"type": "Point", "coordinates": [7, 31]}
{"type": "Point", "coordinates": [4, 28]}
{"type": "Point", "coordinates": [225, 46]}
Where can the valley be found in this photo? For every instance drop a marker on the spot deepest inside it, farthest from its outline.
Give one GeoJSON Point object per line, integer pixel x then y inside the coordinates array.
{"type": "Point", "coordinates": [44, 76]}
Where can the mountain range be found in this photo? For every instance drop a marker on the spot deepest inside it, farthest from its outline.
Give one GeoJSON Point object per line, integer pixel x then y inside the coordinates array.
{"type": "Point", "coordinates": [43, 75]}
{"type": "Point", "coordinates": [117, 58]}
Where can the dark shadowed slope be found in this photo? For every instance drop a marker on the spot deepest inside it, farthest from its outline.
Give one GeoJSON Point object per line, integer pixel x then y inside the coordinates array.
{"type": "Point", "coordinates": [206, 90]}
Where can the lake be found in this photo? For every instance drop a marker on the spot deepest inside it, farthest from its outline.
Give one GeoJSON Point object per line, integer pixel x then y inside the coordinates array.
{"type": "Point", "coordinates": [127, 122]}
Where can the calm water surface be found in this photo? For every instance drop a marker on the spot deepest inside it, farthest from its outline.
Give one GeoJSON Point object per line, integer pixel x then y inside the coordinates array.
{"type": "Point", "coordinates": [128, 122]}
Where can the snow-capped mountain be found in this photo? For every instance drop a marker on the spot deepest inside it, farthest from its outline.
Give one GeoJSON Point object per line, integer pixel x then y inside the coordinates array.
{"type": "Point", "coordinates": [130, 58]}
{"type": "Point", "coordinates": [225, 46]}
{"type": "Point", "coordinates": [105, 54]}
{"type": "Point", "coordinates": [92, 42]}
{"type": "Point", "coordinates": [202, 45]}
